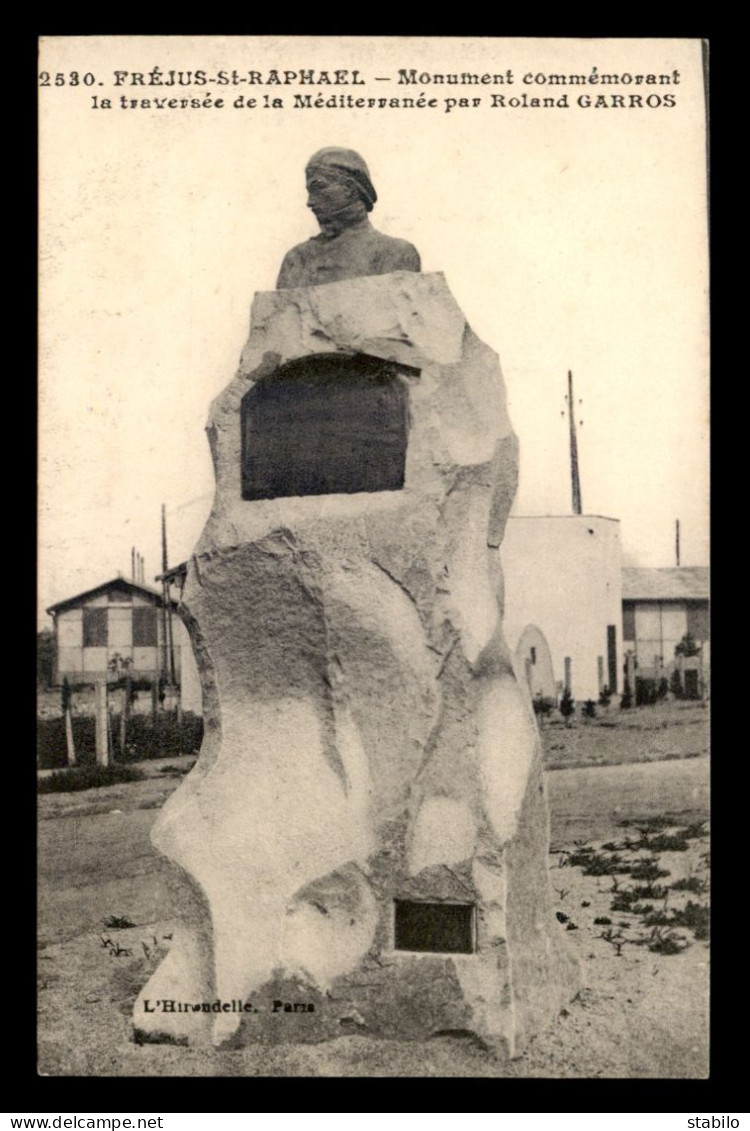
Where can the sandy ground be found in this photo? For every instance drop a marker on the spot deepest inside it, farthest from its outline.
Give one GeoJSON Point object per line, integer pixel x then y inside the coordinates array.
{"type": "Point", "coordinates": [639, 1014]}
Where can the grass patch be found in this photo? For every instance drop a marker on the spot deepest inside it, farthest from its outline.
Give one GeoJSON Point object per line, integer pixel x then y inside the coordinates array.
{"type": "Point", "coordinates": [665, 842]}
{"type": "Point", "coordinates": [694, 884]}
{"type": "Point", "coordinates": [87, 777]}
{"type": "Point", "coordinates": [647, 870]}
{"type": "Point", "coordinates": [694, 916]}
{"type": "Point", "coordinates": [596, 863]}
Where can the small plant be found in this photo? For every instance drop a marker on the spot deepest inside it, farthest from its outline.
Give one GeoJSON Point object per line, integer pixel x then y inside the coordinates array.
{"type": "Point", "coordinates": [118, 923]}
{"type": "Point", "coordinates": [665, 942]}
{"type": "Point", "coordinates": [696, 917]}
{"type": "Point", "coordinates": [650, 891]}
{"type": "Point", "coordinates": [693, 884]}
{"type": "Point", "coordinates": [686, 647]}
{"type": "Point", "coordinates": [567, 707]}
{"type": "Point", "coordinates": [117, 951]}
{"type": "Point", "coordinates": [562, 892]}
{"type": "Point", "coordinates": [589, 709]}
{"type": "Point", "coordinates": [647, 870]}
{"type": "Point", "coordinates": [561, 917]}
{"type": "Point", "coordinates": [649, 824]}
{"type": "Point", "coordinates": [602, 921]}
{"type": "Point", "coordinates": [600, 865]}
{"type": "Point", "coordinates": [665, 842]}
{"type": "Point", "coordinates": [543, 707]}
{"type": "Point", "coordinates": [605, 697]}
{"type": "Point", "coordinates": [653, 918]}
{"type": "Point", "coordinates": [571, 926]}
{"type": "Point", "coordinates": [623, 901]}
{"type": "Point", "coordinates": [615, 939]}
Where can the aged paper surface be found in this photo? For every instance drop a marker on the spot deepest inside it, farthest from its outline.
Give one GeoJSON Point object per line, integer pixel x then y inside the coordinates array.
{"type": "Point", "coordinates": [560, 185]}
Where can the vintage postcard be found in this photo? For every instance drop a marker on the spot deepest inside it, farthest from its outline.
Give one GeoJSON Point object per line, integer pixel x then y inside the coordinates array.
{"type": "Point", "coordinates": [374, 650]}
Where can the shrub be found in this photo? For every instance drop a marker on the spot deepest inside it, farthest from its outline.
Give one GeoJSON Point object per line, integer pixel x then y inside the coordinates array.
{"type": "Point", "coordinates": [599, 865]}
{"type": "Point", "coordinates": [686, 647]}
{"type": "Point", "coordinates": [87, 777]}
{"type": "Point", "coordinates": [664, 842]}
{"type": "Point", "coordinates": [118, 923]}
{"type": "Point", "coordinates": [694, 916]}
{"type": "Point", "coordinates": [647, 870]}
{"type": "Point", "coordinates": [667, 943]}
{"type": "Point", "coordinates": [145, 739]}
{"type": "Point", "coordinates": [542, 707]}
{"type": "Point", "coordinates": [650, 891]}
{"type": "Point", "coordinates": [693, 883]}
{"type": "Point", "coordinates": [52, 752]}
{"type": "Point", "coordinates": [589, 709]}
{"type": "Point", "coordinates": [567, 706]}
{"type": "Point", "coordinates": [605, 697]}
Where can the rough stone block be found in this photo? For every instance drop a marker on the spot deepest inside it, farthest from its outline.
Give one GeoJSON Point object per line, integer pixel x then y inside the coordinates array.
{"type": "Point", "coordinates": [367, 745]}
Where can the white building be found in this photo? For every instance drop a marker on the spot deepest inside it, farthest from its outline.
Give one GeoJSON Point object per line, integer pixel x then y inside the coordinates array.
{"type": "Point", "coordinates": [563, 602]}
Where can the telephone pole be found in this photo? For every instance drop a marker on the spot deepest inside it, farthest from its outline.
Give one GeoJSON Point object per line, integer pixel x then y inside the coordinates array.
{"type": "Point", "coordinates": [575, 480]}
{"type": "Point", "coordinates": [168, 642]}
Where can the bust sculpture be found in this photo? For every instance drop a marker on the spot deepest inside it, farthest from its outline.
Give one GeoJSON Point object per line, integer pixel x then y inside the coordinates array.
{"type": "Point", "coordinates": [341, 195]}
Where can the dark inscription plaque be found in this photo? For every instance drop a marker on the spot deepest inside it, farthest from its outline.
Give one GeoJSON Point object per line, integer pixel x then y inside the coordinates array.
{"type": "Point", "coordinates": [439, 928]}
{"type": "Point", "coordinates": [326, 425]}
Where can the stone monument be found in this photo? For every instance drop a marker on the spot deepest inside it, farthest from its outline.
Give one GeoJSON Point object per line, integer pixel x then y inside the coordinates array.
{"type": "Point", "coordinates": [362, 844]}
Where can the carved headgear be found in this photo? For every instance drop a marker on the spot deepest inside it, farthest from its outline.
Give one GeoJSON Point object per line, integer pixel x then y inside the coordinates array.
{"type": "Point", "coordinates": [350, 167]}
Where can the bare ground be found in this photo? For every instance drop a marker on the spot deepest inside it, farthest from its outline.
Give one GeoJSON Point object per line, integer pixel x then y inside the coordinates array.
{"type": "Point", "coordinates": [639, 1014]}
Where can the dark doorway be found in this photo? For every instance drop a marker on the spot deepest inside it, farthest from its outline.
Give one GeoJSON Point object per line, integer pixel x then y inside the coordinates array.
{"type": "Point", "coordinates": [325, 425]}
{"type": "Point", "coordinates": [612, 657]}
{"type": "Point", "coordinates": [691, 683]}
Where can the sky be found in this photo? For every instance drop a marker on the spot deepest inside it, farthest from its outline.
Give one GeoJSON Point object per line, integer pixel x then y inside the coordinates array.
{"type": "Point", "coordinates": [572, 237]}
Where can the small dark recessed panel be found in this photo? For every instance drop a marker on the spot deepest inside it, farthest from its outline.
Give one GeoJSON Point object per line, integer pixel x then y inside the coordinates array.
{"type": "Point", "coordinates": [325, 425]}
{"type": "Point", "coordinates": [440, 928]}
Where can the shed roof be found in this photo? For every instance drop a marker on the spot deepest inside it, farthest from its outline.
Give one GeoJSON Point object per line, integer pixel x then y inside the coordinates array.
{"type": "Point", "coordinates": [675, 583]}
{"type": "Point", "coordinates": [120, 583]}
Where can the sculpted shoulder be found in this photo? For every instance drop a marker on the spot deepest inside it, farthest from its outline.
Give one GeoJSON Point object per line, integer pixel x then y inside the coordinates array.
{"type": "Point", "coordinates": [399, 252]}
{"type": "Point", "coordinates": [352, 254]}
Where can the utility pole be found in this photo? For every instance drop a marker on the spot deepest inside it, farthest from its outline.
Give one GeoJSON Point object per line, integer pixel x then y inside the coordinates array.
{"type": "Point", "coordinates": [677, 541]}
{"type": "Point", "coordinates": [575, 479]}
{"type": "Point", "coordinates": [169, 643]}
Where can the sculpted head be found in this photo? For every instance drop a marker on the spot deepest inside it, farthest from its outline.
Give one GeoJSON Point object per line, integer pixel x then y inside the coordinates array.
{"type": "Point", "coordinates": [340, 193]}
{"type": "Point", "coordinates": [339, 188]}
